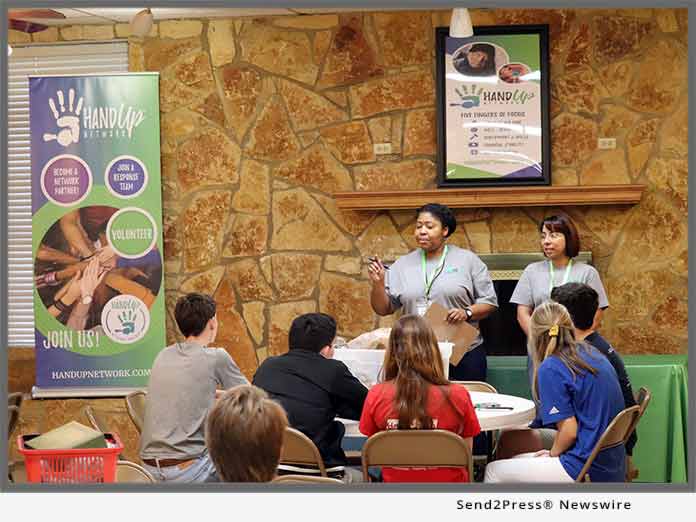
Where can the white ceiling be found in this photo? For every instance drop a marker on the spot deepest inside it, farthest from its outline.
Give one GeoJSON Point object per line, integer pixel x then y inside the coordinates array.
{"type": "Point", "coordinates": [106, 15]}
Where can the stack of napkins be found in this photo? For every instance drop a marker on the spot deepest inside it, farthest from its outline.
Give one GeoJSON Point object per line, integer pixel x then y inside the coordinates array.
{"type": "Point", "coordinates": [72, 435]}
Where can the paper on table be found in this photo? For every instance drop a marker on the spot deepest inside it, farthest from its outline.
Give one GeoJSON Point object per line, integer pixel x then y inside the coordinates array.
{"type": "Point", "coordinates": [462, 334]}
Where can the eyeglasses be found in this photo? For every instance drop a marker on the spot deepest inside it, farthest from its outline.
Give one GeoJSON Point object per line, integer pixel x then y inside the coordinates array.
{"type": "Point", "coordinates": [552, 235]}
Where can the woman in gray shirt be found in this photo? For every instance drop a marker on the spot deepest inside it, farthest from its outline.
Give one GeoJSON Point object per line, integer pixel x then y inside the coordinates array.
{"type": "Point", "coordinates": [437, 272]}
{"type": "Point", "coordinates": [561, 244]}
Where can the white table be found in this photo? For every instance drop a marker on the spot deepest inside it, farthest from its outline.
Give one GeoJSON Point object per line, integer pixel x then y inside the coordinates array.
{"type": "Point", "coordinates": [521, 414]}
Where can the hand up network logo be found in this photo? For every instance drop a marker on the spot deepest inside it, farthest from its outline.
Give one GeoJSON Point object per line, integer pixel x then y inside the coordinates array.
{"type": "Point", "coordinates": [67, 120]}
{"type": "Point", "coordinates": [125, 319]}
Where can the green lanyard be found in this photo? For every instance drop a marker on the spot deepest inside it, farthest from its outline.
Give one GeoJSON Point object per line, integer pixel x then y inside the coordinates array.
{"type": "Point", "coordinates": [436, 272]}
{"type": "Point", "coordinates": [565, 277]}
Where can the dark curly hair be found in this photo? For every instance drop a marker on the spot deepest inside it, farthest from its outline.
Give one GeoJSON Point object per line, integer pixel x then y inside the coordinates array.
{"type": "Point", "coordinates": [442, 213]}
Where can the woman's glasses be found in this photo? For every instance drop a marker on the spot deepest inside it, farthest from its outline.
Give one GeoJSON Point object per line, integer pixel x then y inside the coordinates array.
{"type": "Point", "coordinates": [551, 235]}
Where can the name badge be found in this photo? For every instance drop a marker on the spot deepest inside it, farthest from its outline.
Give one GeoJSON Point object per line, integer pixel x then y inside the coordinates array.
{"type": "Point", "coordinates": [422, 306]}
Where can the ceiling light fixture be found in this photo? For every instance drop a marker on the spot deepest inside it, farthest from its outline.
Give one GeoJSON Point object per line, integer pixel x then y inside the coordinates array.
{"type": "Point", "coordinates": [460, 24]}
{"type": "Point", "coordinates": [141, 24]}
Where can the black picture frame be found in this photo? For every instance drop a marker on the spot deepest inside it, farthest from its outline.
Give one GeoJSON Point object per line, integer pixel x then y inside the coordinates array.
{"type": "Point", "coordinates": [502, 152]}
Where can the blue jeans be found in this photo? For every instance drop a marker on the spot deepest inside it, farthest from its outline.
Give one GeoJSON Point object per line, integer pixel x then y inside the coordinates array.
{"type": "Point", "coordinates": [202, 470]}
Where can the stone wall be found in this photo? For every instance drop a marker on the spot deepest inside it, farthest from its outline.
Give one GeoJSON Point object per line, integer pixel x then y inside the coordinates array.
{"type": "Point", "coordinates": [263, 119]}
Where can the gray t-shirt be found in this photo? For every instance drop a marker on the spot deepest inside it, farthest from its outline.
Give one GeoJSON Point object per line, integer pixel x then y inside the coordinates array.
{"type": "Point", "coordinates": [180, 392]}
{"type": "Point", "coordinates": [464, 281]}
{"type": "Point", "coordinates": [533, 287]}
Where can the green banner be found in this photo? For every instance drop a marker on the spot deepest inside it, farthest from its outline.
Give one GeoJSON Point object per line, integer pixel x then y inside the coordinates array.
{"type": "Point", "coordinates": [97, 234]}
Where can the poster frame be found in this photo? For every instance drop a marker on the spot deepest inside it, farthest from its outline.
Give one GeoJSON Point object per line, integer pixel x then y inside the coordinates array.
{"type": "Point", "coordinates": [443, 110]}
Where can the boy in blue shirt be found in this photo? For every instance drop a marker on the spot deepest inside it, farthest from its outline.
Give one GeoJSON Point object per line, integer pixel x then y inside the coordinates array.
{"type": "Point", "coordinates": [581, 301]}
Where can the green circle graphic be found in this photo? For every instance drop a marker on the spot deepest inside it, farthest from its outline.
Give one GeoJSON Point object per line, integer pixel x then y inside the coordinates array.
{"type": "Point", "coordinates": [131, 232]}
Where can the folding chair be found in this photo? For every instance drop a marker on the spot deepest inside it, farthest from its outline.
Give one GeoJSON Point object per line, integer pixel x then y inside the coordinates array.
{"type": "Point", "coordinates": [416, 448]}
{"type": "Point", "coordinates": [617, 433]}
{"type": "Point", "coordinates": [131, 472]}
{"type": "Point", "coordinates": [14, 404]}
{"type": "Point", "coordinates": [135, 404]}
{"type": "Point", "coordinates": [96, 419]}
{"type": "Point", "coordinates": [299, 479]}
{"type": "Point", "coordinates": [477, 386]}
{"type": "Point", "coordinates": [299, 450]}
{"type": "Point", "coordinates": [492, 437]}
{"type": "Point", "coordinates": [642, 399]}
{"type": "Point", "coordinates": [15, 399]}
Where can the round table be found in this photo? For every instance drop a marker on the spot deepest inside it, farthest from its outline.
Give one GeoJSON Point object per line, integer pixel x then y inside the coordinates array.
{"type": "Point", "coordinates": [521, 414]}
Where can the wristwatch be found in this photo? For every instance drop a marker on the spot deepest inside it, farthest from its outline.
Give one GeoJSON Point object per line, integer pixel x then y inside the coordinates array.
{"type": "Point", "coordinates": [469, 313]}
{"type": "Point", "coordinates": [86, 299]}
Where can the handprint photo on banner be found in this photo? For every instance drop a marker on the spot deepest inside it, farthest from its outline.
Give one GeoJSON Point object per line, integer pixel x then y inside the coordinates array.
{"type": "Point", "coordinates": [77, 274]}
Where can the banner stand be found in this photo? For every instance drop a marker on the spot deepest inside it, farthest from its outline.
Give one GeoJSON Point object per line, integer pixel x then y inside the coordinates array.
{"type": "Point", "coordinates": [80, 393]}
{"type": "Point", "coordinates": [97, 248]}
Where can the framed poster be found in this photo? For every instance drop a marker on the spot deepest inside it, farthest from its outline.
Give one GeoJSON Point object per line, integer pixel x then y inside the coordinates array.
{"type": "Point", "coordinates": [493, 107]}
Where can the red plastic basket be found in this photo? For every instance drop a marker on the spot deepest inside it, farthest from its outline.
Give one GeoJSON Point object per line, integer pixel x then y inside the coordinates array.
{"type": "Point", "coordinates": [71, 466]}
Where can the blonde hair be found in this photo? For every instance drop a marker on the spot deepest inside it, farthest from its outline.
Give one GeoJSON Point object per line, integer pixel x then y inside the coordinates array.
{"type": "Point", "coordinates": [551, 333]}
{"type": "Point", "coordinates": [244, 434]}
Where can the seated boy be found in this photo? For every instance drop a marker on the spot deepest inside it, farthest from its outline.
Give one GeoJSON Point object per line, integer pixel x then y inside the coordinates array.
{"type": "Point", "coordinates": [581, 301]}
{"type": "Point", "coordinates": [244, 434]}
{"type": "Point", "coordinates": [314, 389]}
{"type": "Point", "coordinates": [181, 390]}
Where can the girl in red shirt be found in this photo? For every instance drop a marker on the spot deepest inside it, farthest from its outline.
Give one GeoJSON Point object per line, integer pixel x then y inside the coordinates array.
{"type": "Point", "coordinates": [416, 395]}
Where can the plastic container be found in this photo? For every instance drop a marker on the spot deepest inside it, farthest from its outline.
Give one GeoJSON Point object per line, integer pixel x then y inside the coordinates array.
{"type": "Point", "coordinates": [366, 365]}
{"type": "Point", "coordinates": [71, 466]}
{"type": "Point", "coordinates": [446, 353]}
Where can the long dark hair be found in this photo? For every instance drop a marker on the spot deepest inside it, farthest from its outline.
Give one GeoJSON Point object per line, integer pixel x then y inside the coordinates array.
{"type": "Point", "coordinates": [563, 224]}
{"type": "Point", "coordinates": [413, 362]}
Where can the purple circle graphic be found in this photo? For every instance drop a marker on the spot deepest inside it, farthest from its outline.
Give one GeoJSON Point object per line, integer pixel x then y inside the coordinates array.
{"type": "Point", "coordinates": [66, 180]}
{"type": "Point", "coordinates": [126, 177]}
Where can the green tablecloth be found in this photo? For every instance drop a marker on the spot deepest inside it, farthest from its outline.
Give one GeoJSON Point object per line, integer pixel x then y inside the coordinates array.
{"type": "Point", "coordinates": [660, 454]}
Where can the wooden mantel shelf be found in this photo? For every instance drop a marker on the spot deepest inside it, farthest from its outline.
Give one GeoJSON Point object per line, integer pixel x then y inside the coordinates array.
{"type": "Point", "coordinates": [545, 196]}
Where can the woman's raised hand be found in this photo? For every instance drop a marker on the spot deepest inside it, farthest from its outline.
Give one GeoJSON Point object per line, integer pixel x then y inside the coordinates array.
{"type": "Point", "coordinates": [376, 270]}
